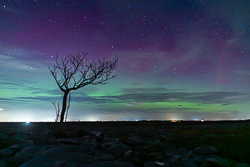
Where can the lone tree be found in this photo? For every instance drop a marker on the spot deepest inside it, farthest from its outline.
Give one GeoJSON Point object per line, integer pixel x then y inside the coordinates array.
{"type": "Point", "coordinates": [76, 72]}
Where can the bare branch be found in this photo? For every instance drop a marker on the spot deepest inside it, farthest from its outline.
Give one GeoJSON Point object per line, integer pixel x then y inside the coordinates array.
{"type": "Point", "coordinates": [75, 72]}
{"type": "Point", "coordinates": [57, 108]}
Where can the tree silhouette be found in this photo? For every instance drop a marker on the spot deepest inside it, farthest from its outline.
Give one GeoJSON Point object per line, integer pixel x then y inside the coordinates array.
{"type": "Point", "coordinates": [76, 72]}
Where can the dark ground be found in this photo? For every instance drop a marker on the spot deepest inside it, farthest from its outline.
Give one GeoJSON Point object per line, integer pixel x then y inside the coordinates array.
{"type": "Point", "coordinates": [232, 138]}
{"type": "Point", "coordinates": [182, 125]}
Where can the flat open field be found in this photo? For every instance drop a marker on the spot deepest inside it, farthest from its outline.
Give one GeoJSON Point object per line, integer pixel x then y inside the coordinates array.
{"type": "Point", "coordinates": [208, 124]}
{"type": "Point", "coordinates": [176, 127]}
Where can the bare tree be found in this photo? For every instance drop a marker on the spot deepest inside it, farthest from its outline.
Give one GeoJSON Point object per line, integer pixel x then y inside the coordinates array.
{"type": "Point", "coordinates": [76, 72]}
{"type": "Point", "coordinates": [57, 108]}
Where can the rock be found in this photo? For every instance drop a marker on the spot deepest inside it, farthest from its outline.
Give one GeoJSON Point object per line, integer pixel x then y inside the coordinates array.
{"type": "Point", "coordinates": [100, 138]}
{"type": "Point", "coordinates": [19, 146]}
{"type": "Point", "coordinates": [160, 163]}
{"type": "Point", "coordinates": [50, 160]}
{"type": "Point", "coordinates": [115, 164]}
{"type": "Point", "coordinates": [47, 137]}
{"type": "Point", "coordinates": [69, 141]}
{"type": "Point", "coordinates": [62, 149]}
{"type": "Point", "coordinates": [86, 159]}
{"type": "Point", "coordinates": [216, 161]}
{"type": "Point", "coordinates": [199, 159]}
{"type": "Point", "coordinates": [80, 132]}
{"type": "Point", "coordinates": [118, 149]}
{"type": "Point", "coordinates": [155, 155]}
{"type": "Point", "coordinates": [108, 139]}
{"type": "Point", "coordinates": [18, 138]}
{"type": "Point", "coordinates": [169, 154]}
{"type": "Point", "coordinates": [190, 154]}
{"type": "Point", "coordinates": [60, 156]}
{"type": "Point", "coordinates": [162, 137]}
{"type": "Point", "coordinates": [87, 146]}
{"type": "Point", "coordinates": [95, 133]}
{"type": "Point", "coordinates": [129, 153]}
{"type": "Point", "coordinates": [190, 164]}
{"type": "Point", "coordinates": [104, 156]}
{"type": "Point", "coordinates": [7, 152]}
{"type": "Point", "coordinates": [182, 150]}
{"type": "Point", "coordinates": [107, 144]}
{"type": "Point", "coordinates": [30, 152]}
{"type": "Point", "coordinates": [134, 140]}
{"type": "Point", "coordinates": [9, 131]}
{"type": "Point", "coordinates": [4, 137]}
{"type": "Point", "coordinates": [3, 163]}
{"type": "Point", "coordinates": [12, 162]}
{"type": "Point", "coordinates": [176, 160]}
{"type": "Point", "coordinates": [30, 142]}
{"type": "Point", "coordinates": [149, 164]}
{"type": "Point", "coordinates": [240, 164]}
{"type": "Point", "coordinates": [4, 144]}
{"type": "Point", "coordinates": [206, 150]}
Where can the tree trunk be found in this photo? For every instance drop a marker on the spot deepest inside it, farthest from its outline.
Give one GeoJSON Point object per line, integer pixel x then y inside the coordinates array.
{"type": "Point", "coordinates": [64, 106]}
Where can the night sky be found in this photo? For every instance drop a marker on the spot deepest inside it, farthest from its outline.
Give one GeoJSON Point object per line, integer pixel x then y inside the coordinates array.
{"type": "Point", "coordinates": [178, 59]}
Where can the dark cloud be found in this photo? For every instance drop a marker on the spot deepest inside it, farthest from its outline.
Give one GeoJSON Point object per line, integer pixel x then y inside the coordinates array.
{"type": "Point", "coordinates": [216, 97]}
{"type": "Point", "coordinates": [225, 104]}
{"type": "Point", "coordinates": [84, 99]}
{"type": "Point", "coordinates": [15, 80]}
{"type": "Point", "coordinates": [5, 99]}
{"type": "Point", "coordinates": [5, 83]}
{"type": "Point", "coordinates": [48, 91]}
{"type": "Point", "coordinates": [144, 90]}
{"type": "Point", "coordinates": [178, 89]}
{"type": "Point", "coordinates": [93, 100]}
{"type": "Point", "coordinates": [168, 113]}
{"type": "Point", "coordinates": [164, 95]}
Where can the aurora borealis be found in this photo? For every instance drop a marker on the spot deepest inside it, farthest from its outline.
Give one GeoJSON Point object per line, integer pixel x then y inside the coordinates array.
{"type": "Point", "coordinates": [178, 59]}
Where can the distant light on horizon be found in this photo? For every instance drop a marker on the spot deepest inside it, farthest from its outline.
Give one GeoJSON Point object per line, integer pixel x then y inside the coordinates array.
{"type": "Point", "coordinates": [1, 109]}
{"type": "Point", "coordinates": [90, 119]}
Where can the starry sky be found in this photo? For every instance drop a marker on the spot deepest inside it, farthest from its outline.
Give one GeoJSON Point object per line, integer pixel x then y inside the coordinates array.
{"type": "Point", "coordinates": [178, 59]}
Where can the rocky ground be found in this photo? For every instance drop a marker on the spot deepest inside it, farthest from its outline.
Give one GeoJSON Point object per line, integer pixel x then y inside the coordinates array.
{"type": "Point", "coordinates": [109, 145]}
